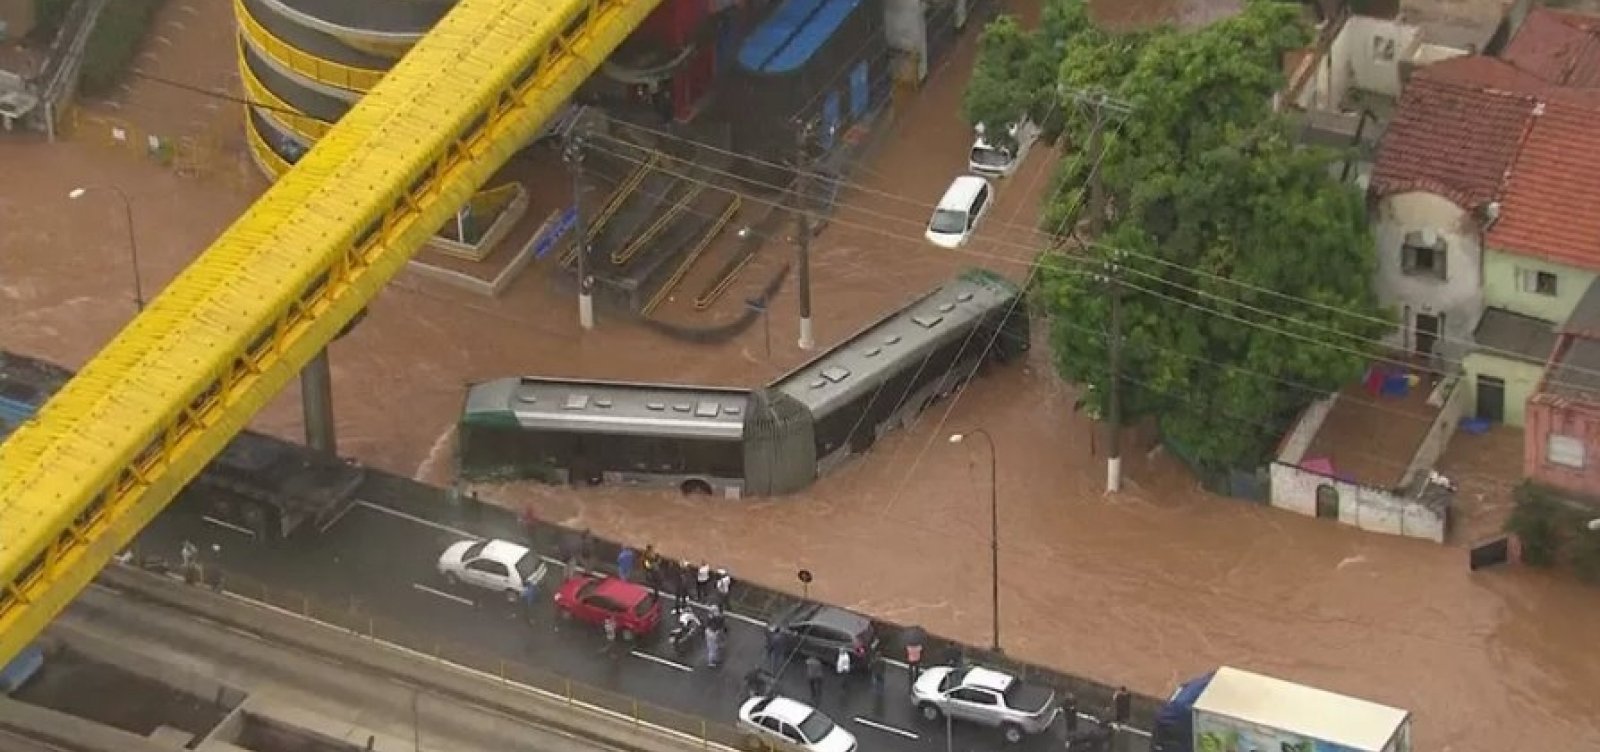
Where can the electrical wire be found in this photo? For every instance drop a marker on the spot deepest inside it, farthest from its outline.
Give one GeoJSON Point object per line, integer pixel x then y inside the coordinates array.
{"type": "Point", "coordinates": [1375, 343]}
{"type": "Point", "coordinates": [1371, 357]}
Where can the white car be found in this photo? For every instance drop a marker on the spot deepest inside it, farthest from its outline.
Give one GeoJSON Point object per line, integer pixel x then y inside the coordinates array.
{"type": "Point", "coordinates": [787, 724]}
{"type": "Point", "coordinates": [496, 565]}
{"type": "Point", "coordinates": [956, 217]}
{"type": "Point", "coordinates": [999, 161]}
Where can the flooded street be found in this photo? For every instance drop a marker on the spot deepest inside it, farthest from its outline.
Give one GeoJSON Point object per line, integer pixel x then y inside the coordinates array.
{"type": "Point", "coordinates": [1148, 587]}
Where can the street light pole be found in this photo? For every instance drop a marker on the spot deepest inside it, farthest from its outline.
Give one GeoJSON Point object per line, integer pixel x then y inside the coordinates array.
{"type": "Point", "coordinates": [133, 242]}
{"type": "Point", "coordinates": [994, 529]}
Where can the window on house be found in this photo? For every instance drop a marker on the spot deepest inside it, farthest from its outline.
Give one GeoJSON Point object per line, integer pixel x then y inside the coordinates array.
{"type": "Point", "coordinates": [1537, 282]}
{"type": "Point", "coordinates": [1566, 451]}
{"type": "Point", "coordinates": [1383, 49]}
{"type": "Point", "coordinates": [1423, 254]}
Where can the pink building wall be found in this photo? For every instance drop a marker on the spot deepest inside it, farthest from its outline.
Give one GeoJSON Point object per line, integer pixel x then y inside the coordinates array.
{"type": "Point", "coordinates": [1548, 414]}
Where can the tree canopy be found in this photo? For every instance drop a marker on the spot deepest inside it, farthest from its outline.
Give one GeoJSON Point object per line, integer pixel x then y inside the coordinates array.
{"type": "Point", "coordinates": [1246, 266]}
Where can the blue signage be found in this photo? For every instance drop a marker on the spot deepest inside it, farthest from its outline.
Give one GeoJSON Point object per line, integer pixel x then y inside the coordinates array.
{"type": "Point", "coordinates": [546, 239]}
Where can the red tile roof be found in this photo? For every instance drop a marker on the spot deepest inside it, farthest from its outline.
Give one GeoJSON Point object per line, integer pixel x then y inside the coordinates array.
{"type": "Point", "coordinates": [1550, 206]}
{"type": "Point", "coordinates": [1455, 131]}
{"type": "Point", "coordinates": [1559, 47]}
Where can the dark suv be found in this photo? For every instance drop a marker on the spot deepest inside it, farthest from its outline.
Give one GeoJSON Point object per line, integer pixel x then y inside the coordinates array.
{"type": "Point", "coordinates": [819, 630]}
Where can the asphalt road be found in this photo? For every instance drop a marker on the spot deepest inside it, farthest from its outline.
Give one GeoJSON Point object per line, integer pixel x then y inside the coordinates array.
{"type": "Point", "coordinates": [383, 560]}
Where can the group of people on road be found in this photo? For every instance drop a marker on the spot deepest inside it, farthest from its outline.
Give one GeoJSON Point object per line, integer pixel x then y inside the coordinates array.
{"type": "Point", "coordinates": [708, 586]}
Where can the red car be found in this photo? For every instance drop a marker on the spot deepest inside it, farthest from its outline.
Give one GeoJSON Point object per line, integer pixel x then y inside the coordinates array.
{"type": "Point", "coordinates": [592, 599]}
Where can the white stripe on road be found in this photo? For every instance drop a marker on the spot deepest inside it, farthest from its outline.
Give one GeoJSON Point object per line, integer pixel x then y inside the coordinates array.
{"type": "Point", "coordinates": [416, 519]}
{"type": "Point", "coordinates": [886, 727]}
{"type": "Point", "coordinates": [662, 661]}
{"type": "Point", "coordinates": [229, 526]}
{"type": "Point", "coordinates": [443, 594]}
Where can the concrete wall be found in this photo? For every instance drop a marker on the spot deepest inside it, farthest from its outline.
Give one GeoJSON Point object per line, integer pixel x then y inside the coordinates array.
{"type": "Point", "coordinates": [1293, 447]}
{"type": "Point", "coordinates": [1574, 420]}
{"type": "Point", "coordinates": [1360, 58]}
{"type": "Point", "coordinates": [1520, 377]}
{"type": "Point", "coordinates": [1460, 296]}
{"type": "Point", "coordinates": [1438, 437]}
{"type": "Point", "coordinates": [1502, 287]}
{"type": "Point", "coordinates": [1370, 509]}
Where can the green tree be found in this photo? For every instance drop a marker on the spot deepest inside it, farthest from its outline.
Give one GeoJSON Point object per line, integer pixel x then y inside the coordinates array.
{"type": "Point", "coordinates": [1212, 204]}
{"type": "Point", "coordinates": [1011, 78]}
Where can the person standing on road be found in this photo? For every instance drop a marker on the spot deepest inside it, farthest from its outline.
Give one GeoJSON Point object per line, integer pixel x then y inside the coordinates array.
{"type": "Point", "coordinates": [914, 660]}
{"type": "Point", "coordinates": [530, 598]}
{"type": "Point", "coordinates": [528, 518]}
{"type": "Point", "coordinates": [1121, 706]}
{"type": "Point", "coordinates": [774, 651]}
{"type": "Point", "coordinates": [1069, 711]}
{"type": "Point", "coordinates": [814, 679]}
{"type": "Point", "coordinates": [586, 549]}
{"type": "Point", "coordinates": [625, 559]}
{"type": "Point", "coordinates": [724, 587]}
{"type": "Point", "coordinates": [702, 579]}
{"type": "Point", "coordinates": [715, 635]}
{"type": "Point", "coordinates": [685, 580]}
{"type": "Point", "coordinates": [877, 669]}
{"type": "Point", "coordinates": [569, 555]}
{"type": "Point", "coordinates": [652, 568]}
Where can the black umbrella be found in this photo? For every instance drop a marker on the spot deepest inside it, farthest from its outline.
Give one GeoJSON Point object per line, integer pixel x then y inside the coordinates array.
{"type": "Point", "coordinates": [914, 636]}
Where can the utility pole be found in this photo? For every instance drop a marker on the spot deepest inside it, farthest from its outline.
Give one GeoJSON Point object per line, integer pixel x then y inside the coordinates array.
{"type": "Point", "coordinates": [802, 200]}
{"type": "Point", "coordinates": [573, 155]}
{"type": "Point", "coordinates": [1101, 105]}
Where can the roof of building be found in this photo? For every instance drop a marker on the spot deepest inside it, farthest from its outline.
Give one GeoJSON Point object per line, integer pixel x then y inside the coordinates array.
{"type": "Point", "coordinates": [1456, 131]}
{"type": "Point", "coordinates": [1560, 47]}
{"type": "Point", "coordinates": [1550, 194]}
{"type": "Point", "coordinates": [1513, 334]}
{"type": "Point", "coordinates": [1296, 708]}
{"type": "Point", "coordinates": [1575, 374]}
{"type": "Point", "coordinates": [793, 33]}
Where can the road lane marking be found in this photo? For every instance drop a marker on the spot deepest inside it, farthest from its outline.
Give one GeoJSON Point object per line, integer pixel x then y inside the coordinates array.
{"type": "Point", "coordinates": [242, 530]}
{"type": "Point", "coordinates": [443, 594]}
{"type": "Point", "coordinates": [419, 520]}
{"type": "Point", "coordinates": [886, 727]}
{"type": "Point", "coordinates": [658, 659]}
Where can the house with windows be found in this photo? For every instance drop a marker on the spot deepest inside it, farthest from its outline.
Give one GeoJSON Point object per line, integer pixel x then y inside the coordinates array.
{"type": "Point", "coordinates": [1561, 441]}
{"type": "Point", "coordinates": [1481, 210]}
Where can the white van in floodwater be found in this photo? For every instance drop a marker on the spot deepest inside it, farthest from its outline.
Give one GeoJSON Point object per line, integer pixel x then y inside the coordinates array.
{"type": "Point", "coordinates": [998, 161]}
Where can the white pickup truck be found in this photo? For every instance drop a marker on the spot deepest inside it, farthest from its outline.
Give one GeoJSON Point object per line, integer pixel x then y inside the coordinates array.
{"type": "Point", "coordinates": [987, 697]}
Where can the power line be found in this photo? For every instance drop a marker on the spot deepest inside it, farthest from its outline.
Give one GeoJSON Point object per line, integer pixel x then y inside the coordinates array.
{"type": "Point", "coordinates": [1375, 343]}
{"type": "Point", "coordinates": [838, 183]}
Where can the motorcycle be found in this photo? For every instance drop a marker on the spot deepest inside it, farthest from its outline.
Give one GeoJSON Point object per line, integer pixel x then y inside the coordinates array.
{"type": "Point", "coordinates": [689, 626]}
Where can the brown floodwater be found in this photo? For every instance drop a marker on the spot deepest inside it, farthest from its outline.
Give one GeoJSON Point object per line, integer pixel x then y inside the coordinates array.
{"type": "Point", "coordinates": [1146, 587]}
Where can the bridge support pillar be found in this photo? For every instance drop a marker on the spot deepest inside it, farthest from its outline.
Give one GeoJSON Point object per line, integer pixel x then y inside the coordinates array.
{"type": "Point", "coordinates": [316, 403]}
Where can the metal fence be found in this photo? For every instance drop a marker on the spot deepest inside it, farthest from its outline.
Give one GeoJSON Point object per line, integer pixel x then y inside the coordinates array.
{"type": "Point", "coordinates": [356, 619]}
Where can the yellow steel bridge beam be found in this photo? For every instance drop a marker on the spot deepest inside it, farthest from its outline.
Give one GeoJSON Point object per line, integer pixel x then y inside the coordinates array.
{"type": "Point", "coordinates": [140, 420]}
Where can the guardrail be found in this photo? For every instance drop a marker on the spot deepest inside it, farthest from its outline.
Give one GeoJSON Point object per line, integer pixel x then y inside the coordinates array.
{"type": "Point", "coordinates": [667, 217]}
{"type": "Point", "coordinates": [353, 617]}
{"type": "Point", "coordinates": [613, 203]}
{"type": "Point", "coordinates": [693, 255]}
